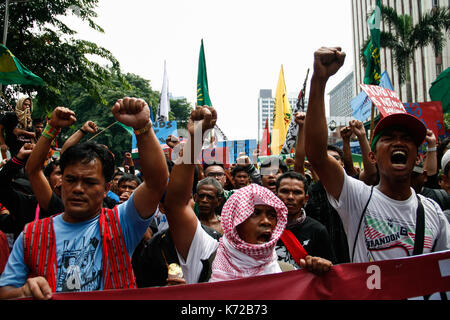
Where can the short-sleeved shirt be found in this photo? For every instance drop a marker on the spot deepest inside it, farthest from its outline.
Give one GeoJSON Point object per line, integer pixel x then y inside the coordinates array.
{"type": "Point", "coordinates": [202, 247]}
{"type": "Point", "coordinates": [388, 228]}
{"type": "Point", "coordinates": [79, 251]}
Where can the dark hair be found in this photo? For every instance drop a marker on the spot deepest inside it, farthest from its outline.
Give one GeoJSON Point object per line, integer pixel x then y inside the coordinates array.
{"type": "Point", "coordinates": [129, 177]}
{"type": "Point", "coordinates": [293, 175]}
{"type": "Point", "coordinates": [267, 163]}
{"type": "Point", "coordinates": [237, 169]}
{"type": "Point", "coordinates": [37, 120]}
{"type": "Point", "coordinates": [336, 149]}
{"type": "Point", "coordinates": [86, 152]}
{"type": "Point", "coordinates": [50, 167]}
{"type": "Point", "coordinates": [117, 173]}
{"type": "Point", "coordinates": [207, 165]}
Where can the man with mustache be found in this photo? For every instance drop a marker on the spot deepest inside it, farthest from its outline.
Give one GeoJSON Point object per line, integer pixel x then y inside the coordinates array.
{"type": "Point", "coordinates": [389, 220]}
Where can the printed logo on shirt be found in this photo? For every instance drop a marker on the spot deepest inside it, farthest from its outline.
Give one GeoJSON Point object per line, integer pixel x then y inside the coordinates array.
{"type": "Point", "coordinates": [391, 234]}
{"type": "Point", "coordinates": [78, 271]}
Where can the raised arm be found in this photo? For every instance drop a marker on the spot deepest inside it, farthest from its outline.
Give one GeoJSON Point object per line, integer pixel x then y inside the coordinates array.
{"type": "Point", "coordinates": [430, 163]}
{"type": "Point", "coordinates": [299, 165]}
{"type": "Point", "coordinates": [369, 173]}
{"type": "Point", "coordinates": [135, 113]}
{"type": "Point", "coordinates": [88, 127]}
{"type": "Point", "coordinates": [346, 134]}
{"type": "Point", "coordinates": [61, 117]}
{"type": "Point", "coordinates": [327, 61]}
{"type": "Point", "coordinates": [180, 215]}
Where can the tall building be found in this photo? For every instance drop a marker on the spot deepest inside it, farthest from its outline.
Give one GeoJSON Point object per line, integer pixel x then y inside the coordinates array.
{"type": "Point", "coordinates": [341, 96]}
{"type": "Point", "coordinates": [425, 67]}
{"type": "Point", "coordinates": [266, 105]}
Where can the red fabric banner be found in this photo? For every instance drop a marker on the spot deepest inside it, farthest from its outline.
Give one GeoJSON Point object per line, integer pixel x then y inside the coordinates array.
{"type": "Point", "coordinates": [384, 280]}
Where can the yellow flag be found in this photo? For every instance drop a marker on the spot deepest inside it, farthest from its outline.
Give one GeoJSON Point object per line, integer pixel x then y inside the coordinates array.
{"type": "Point", "coordinates": [282, 116]}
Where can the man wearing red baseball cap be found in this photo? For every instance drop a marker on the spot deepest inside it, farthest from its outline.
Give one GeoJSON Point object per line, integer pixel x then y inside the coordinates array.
{"type": "Point", "coordinates": [386, 221]}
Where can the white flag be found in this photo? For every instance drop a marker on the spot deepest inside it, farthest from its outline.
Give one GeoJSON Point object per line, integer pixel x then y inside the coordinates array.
{"type": "Point", "coordinates": [164, 102]}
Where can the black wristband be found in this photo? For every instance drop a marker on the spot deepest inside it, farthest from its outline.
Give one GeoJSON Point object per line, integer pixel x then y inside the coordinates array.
{"type": "Point", "coordinates": [83, 131]}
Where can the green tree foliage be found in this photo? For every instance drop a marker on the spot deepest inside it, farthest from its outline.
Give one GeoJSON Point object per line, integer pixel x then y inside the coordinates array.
{"type": "Point", "coordinates": [180, 110]}
{"type": "Point", "coordinates": [404, 38]}
{"type": "Point", "coordinates": [43, 43]}
{"type": "Point", "coordinates": [86, 107]}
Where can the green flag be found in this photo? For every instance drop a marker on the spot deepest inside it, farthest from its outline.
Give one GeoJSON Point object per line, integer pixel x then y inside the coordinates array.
{"type": "Point", "coordinates": [128, 129]}
{"type": "Point", "coordinates": [372, 52]}
{"type": "Point", "coordinates": [439, 90]}
{"type": "Point", "coordinates": [202, 81]}
{"type": "Point", "coordinates": [12, 71]}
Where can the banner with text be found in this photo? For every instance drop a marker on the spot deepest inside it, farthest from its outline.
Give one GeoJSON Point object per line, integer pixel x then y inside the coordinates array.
{"type": "Point", "coordinates": [405, 278]}
{"type": "Point", "coordinates": [387, 101]}
{"type": "Point", "coordinates": [430, 113]}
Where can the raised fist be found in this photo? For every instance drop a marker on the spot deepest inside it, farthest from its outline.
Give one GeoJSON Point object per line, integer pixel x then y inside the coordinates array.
{"type": "Point", "coordinates": [62, 117]}
{"type": "Point", "coordinates": [90, 127]}
{"type": "Point", "coordinates": [327, 61]}
{"type": "Point", "coordinates": [203, 117]}
{"type": "Point", "coordinates": [132, 112]}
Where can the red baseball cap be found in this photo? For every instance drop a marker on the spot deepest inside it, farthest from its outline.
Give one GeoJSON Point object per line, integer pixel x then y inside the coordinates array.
{"type": "Point", "coordinates": [412, 124]}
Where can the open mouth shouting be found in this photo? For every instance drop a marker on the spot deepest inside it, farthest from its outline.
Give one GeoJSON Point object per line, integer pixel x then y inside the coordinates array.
{"type": "Point", "coordinates": [265, 237]}
{"type": "Point", "coordinates": [399, 159]}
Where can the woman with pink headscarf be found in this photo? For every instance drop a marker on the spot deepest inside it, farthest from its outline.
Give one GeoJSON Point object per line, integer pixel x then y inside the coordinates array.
{"type": "Point", "coordinates": [253, 219]}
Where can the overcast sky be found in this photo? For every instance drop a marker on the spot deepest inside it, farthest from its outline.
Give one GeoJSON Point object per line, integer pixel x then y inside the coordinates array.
{"type": "Point", "coordinates": [246, 42]}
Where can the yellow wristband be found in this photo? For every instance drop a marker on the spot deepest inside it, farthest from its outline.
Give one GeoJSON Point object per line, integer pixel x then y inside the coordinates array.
{"type": "Point", "coordinates": [143, 130]}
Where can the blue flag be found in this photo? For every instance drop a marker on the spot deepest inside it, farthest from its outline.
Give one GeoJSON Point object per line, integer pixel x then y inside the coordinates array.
{"type": "Point", "coordinates": [362, 105]}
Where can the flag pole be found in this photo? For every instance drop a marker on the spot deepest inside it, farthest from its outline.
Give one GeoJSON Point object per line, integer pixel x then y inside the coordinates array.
{"type": "Point", "coordinates": [103, 130]}
{"type": "Point", "coordinates": [6, 100]}
{"type": "Point", "coordinates": [372, 123]}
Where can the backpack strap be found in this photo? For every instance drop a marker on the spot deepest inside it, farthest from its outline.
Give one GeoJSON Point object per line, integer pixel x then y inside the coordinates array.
{"type": "Point", "coordinates": [294, 246]}
{"type": "Point", "coordinates": [206, 272]}
{"type": "Point", "coordinates": [360, 221]}
{"type": "Point", "coordinates": [420, 229]}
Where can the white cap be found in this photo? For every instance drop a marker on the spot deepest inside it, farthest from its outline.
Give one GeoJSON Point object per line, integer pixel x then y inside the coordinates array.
{"type": "Point", "coordinates": [445, 160]}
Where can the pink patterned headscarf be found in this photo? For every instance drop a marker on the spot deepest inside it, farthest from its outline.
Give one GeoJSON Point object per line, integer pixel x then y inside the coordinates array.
{"type": "Point", "coordinates": [236, 258]}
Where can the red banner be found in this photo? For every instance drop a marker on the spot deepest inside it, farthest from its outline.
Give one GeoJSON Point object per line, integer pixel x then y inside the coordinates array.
{"type": "Point", "coordinates": [430, 113]}
{"type": "Point", "coordinates": [384, 280]}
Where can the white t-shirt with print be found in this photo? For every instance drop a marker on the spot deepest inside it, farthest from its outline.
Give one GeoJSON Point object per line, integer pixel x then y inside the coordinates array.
{"type": "Point", "coordinates": [388, 228]}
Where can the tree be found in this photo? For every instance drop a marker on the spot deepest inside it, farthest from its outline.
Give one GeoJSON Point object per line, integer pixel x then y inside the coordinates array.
{"type": "Point", "coordinates": [43, 43]}
{"type": "Point", "coordinates": [86, 107]}
{"type": "Point", "coordinates": [404, 37]}
{"type": "Point", "coordinates": [180, 110]}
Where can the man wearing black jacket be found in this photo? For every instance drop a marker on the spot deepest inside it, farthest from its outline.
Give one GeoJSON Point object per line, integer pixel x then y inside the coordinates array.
{"type": "Point", "coordinates": [291, 188]}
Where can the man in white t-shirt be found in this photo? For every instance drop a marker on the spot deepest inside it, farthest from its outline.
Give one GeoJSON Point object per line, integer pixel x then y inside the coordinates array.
{"type": "Point", "coordinates": [386, 229]}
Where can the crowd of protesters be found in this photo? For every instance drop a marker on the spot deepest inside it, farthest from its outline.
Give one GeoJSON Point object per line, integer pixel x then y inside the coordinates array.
{"type": "Point", "coordinates": [77, 222]}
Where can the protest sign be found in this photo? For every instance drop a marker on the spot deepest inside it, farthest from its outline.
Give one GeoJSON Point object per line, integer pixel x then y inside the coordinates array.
{"type": "Point", "coordinates": [387, 101]}
{"type": "Point", "coordinates": [162, 130]}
